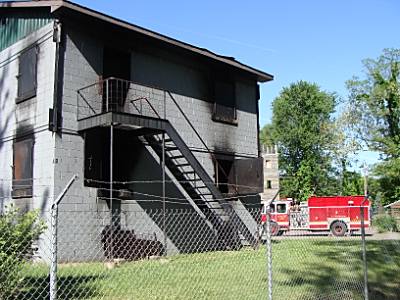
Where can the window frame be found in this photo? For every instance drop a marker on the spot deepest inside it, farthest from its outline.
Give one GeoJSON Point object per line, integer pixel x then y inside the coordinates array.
{"type": "Point", "coordinates": [27, 75]}
{"type": "Point", "coordinates": [22, 187]}
{"type": "Point", "coordinates": [224, 84]}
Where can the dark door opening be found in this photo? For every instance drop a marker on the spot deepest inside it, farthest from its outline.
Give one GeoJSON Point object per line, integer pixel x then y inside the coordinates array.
{"type": "Point", "coordinates": [116, 65]}
{"type": "Point", "coordinates": [97, 157]}
{"type": "Point", "coordinates": [222, 180]}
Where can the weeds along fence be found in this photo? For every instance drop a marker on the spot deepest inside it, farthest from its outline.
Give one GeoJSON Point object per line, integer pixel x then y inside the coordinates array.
{"type": "Point", "coordinates": [142, 253]}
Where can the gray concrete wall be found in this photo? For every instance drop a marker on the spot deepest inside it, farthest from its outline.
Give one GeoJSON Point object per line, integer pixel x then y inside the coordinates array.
{"type": "Point", "coordinates": [28, 119]}
{"type": "Point", "coordinates": [189, 86]}
{"type": "Point", "coordinates": [82, 67]}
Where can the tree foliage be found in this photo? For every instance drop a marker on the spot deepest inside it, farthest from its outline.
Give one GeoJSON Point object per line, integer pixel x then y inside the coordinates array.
{"type": "Point", "coordinates": [18, 232]}
{"type": "Point", "coordinates": [372, 113]}
{"type": "Point", "coordinates": [301, 123]}
{"type": "Point", "coordinates": [373, 107]}
{"type": "Point", "coordinates": [352, 182]}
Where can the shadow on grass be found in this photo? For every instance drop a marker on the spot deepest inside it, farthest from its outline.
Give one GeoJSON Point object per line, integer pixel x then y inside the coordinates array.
{"type": "Point", "coordinates": [334, 270]}
{"type": "Point", "coordinates": [69, 287]}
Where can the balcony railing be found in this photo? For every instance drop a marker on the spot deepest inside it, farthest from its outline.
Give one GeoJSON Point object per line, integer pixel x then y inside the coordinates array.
{"type": "Point", "coordinates": [118, 95]}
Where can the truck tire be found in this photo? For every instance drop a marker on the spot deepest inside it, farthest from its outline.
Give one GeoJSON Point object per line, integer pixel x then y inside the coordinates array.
{"type": "Point", "coordinates": [338, 228]}
{"type": "Point", "coordinates": [274, 228]}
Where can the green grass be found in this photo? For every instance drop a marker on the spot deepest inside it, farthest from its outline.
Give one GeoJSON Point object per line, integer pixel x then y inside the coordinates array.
{"type": "Point", "coordinates": [302, 269]}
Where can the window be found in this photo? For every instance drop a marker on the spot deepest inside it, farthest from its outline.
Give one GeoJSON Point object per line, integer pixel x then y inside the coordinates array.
{"type": "Point", "coordinates": [27, 75]}
{"type": "Point", "coordinates": [269, 184]}
{"type": "Point", "coordinates": [224, 106]}
{"type": "Point", "coordinates": [268, 164]}
{"type": "Point", "coordinates": [281, 208]}
{"type": "Point", "coordinates": [23, 169]}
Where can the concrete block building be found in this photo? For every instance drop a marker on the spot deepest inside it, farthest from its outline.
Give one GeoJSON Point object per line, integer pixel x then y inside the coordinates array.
{"type": "Point", "coordinates": [139, 116]}
{"type": "Point", "coordinates": [271, 172]}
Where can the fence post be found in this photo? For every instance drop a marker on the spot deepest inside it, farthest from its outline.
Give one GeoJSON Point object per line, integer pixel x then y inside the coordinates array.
{"type": "Point", "coordinates": [269, 252]}
{"type": "Point", "coordinates": [364, 246]}
{"type": "Point", "coordinates": [53, 246]}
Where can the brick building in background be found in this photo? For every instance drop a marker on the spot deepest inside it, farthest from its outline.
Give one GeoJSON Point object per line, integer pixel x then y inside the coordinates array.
{"type": "Point", "coordinates": [85, 93]}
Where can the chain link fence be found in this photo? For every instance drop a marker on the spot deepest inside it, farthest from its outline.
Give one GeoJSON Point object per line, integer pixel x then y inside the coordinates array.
{"type": "Point", "coordinates": [328, 264]}
{"type": "Point", "coordinates": [139, 253]}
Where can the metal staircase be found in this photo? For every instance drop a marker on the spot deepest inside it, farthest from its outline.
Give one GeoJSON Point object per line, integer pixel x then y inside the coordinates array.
{"type": "Point", "coordinates": [143, 110]}
{"type": "Point", "coordinates": [197, 183]}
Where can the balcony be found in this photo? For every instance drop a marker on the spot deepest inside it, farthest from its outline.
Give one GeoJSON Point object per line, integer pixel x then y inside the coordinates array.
{"type": "Point", "coordinates": [122, 96]}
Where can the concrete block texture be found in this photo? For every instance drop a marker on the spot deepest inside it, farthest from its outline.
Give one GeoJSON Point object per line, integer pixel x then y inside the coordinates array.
{"type": "Point", "coordinates": [58, 157]}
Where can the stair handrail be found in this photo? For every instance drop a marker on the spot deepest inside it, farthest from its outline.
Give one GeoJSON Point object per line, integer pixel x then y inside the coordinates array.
{"type": "Point", "coordinates": [147, 100]}
{"type": "Point", "coordinates": [202, 141]}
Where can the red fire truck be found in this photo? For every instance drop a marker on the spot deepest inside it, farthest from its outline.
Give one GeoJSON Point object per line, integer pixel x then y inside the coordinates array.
{"type": "Point", "coordinates": [339, 214]}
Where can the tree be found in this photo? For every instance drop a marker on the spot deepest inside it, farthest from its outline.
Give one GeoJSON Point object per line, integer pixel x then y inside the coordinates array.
{"type": "Point", "coordinates": [266, 135]}
{"type": "Point", "coordinates": [352, 182]}
{"type": "Point", "coordinates": [300, 126]}
{"type": "Point", "coordinates": [372, 113]}
{"type": "Point", "coordinates": [18, 232]}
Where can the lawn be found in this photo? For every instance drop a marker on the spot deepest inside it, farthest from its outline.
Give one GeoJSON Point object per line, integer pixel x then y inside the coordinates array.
{"type": "Point", "coordinates": [302, 269]}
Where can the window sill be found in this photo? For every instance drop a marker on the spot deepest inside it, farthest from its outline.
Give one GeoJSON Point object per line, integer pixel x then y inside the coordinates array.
{"type": "Point", "coordinates": [225, 120]}
{"type": "Point", "coordinates": [21, 193]}
{"type": "Point", "coordinates": [26, 96]}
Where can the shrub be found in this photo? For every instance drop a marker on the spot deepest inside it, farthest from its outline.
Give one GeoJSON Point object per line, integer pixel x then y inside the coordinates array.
{"type": "Point", "coordinates": [386, 223]}
{"type": "Point", "coordinates": [18, 232]}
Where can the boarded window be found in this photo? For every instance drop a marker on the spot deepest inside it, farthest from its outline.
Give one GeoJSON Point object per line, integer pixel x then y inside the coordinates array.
{"type": "Point", "coordinates": [23, 169]}
{"type": "Point", "coordinates": [249, 175]}
{"type": "Point", "coordinates": [27, 75]}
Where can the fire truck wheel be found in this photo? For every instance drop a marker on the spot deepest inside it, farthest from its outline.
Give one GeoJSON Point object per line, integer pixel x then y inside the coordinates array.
{"type": "Point", "coordinates": [338, 229]}
{"type": "Point", "coordinates": [274, 229]}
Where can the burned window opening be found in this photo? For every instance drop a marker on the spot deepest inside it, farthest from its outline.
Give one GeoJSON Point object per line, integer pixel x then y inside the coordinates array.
{"type": "Point", "coordinates": [27, 74]}
{"type": "Point", "coordinates": [22, 168]}
{"type": "Point", "coordinates": [225, 103]}
{"type": "Point", "coordinates": [117, 73]}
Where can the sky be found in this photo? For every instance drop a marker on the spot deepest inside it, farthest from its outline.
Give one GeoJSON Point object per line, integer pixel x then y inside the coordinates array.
{"type": "Point", "coordinates": [319, 41]}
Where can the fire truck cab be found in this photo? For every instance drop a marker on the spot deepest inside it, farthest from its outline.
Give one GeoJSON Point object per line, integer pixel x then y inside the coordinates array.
{"type": "Point", "coordinates": [338, 214]}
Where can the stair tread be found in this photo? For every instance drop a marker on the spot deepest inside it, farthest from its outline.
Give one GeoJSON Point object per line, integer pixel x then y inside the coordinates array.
{"type": "Point", "coordinates": [166, 140]}
{"type": "Point", "coordinates": [176, 157]}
